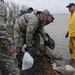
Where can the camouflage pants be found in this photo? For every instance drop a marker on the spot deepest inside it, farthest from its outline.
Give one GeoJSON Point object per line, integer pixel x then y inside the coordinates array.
{"type": "Point", "coordinates": [36, 39]}
{"type": "Point", "coordinates": [8, 65]}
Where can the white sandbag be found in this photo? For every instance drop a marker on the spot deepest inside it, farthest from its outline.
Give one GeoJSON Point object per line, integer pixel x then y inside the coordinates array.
{"type": "Point", "coordinates": [28, 61]}
{"type": "Point", "coordinates": [65, 69]}
{"type": "Point", "coordinates": [70, 69]}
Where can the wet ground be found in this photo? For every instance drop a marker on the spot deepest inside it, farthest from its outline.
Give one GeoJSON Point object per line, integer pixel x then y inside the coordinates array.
{"type": "Point", "coordinates": [57, 30]}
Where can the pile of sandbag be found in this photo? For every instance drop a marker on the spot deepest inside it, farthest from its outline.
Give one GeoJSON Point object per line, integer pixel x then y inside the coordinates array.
{"type": "Point", "coordinates": [64, 69]}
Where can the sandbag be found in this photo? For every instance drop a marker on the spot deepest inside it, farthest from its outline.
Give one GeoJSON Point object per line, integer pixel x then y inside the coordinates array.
{"type": "Point", "coordinates": [64, 69]}
{"type": "Point", "coordinates": [27, 62]}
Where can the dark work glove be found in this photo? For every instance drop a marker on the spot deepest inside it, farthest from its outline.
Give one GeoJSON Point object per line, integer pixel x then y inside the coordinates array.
{"type": "Point", "coordinates": [45, 43]}
{"type": "Point", "coordinates": [30, 50]}
{"type": "Point", "coordinates": [66, 35]}
{"type": "Point", "coordinates": [27, 48]}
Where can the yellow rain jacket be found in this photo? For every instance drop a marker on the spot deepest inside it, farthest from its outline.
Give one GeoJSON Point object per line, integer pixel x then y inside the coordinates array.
{"type": "Point", "coordinates": [71, 28]}
{"type": "Point", "coordinates": [71, 34]}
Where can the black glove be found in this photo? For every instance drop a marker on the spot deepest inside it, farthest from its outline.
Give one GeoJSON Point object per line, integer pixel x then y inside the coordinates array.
{"type": "Point", "coordinates": [27, 48]}
{"type": "Point", "coordinates": [30, 50]}
{"type": "Point", "coordinates": [45, 43]}
{"type": "Point", "coordinates": [66, 35]}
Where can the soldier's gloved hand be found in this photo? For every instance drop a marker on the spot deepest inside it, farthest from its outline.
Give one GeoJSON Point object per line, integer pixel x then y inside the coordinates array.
{"type": "Point", "coordinates": [66, 35]}
{"type": "Point", "coordinates": [28, 48]}
{"type": "Point", "coordinates": [45, 43]}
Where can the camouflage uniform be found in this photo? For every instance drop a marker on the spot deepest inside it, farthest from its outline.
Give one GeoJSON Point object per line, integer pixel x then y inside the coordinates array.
{"type": "Point", "coordinates": [29, 26]}
{"type": "Point", "coordinates": [7, 62]}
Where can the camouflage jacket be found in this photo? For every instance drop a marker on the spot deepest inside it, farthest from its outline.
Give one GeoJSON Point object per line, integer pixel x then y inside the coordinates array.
{"type": "Point", "coordinates": [28, 24]}
{"type": "Point", "coordinates": [5, 39]}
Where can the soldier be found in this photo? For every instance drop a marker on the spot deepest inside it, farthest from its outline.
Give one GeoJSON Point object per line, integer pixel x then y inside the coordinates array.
{"type": "Point", "coordinates": [28, 27]}
{"type": "Point", "coordinates": [7, 62]}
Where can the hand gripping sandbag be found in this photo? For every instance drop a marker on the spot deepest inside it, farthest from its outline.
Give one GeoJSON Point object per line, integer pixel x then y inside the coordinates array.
{"type": "Point", "coordinates": [50, 42]}
{"type": "Point", "coordinates": [27, 62]}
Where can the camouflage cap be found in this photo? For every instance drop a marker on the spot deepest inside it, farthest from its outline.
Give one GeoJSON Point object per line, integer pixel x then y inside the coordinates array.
{"type": "Point", "coordinates": [46, 12]}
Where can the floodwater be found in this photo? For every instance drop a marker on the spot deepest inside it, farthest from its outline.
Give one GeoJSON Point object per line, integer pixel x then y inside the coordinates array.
{"type": "Point", "coordinates": [57, 30]}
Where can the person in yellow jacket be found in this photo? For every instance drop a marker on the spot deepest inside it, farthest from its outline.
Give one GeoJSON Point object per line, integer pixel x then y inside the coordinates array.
{"type": "Point", "coordinates": [71, 30]}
